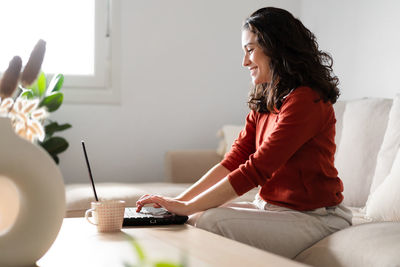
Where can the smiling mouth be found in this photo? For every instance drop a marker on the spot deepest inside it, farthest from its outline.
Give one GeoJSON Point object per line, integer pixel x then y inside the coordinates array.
{"type": "Point", "coordinates": [252, 70]}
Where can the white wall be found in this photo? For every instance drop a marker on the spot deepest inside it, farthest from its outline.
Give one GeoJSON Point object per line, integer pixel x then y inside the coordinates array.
{"type": "Point", "coordinates": [363, 36]}
{"type": "Point", "coordinates": [181, 80]}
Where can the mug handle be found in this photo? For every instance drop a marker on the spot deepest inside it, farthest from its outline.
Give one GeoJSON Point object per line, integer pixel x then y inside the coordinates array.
{"type": "Point", "coordinates": [90, 211]}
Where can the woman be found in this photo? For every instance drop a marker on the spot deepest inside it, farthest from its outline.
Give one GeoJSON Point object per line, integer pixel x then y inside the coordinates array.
{"type": "Point", "coordinates": [286, 148]}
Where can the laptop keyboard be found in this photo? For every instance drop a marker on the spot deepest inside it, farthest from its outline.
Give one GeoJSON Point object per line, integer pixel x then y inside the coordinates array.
{"type": "Point", "coordinates": [151, 216]}
{"type": "Point", "coordinates": [146, 212]}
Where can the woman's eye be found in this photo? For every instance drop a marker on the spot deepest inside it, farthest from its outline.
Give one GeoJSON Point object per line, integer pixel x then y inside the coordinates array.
{"type": "Point", "coordinates": [250, 51]}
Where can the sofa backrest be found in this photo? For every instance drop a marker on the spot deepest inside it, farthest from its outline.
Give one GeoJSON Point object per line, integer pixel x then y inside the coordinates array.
{"type": "Point", "coordinates": [339, 108]}
{"type": "Point", "coordinates": [361, 126]}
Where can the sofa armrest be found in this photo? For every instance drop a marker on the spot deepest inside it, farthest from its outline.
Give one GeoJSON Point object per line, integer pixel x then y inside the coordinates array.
{"type": "Point", "coordinates": [187, 166]}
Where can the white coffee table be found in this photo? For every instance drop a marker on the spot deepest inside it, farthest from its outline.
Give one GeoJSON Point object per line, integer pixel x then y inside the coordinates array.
{"type": "Point", "coordinates": [79, 244]}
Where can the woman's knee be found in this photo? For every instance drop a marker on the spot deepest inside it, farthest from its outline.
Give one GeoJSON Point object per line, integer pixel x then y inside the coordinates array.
{"type": "Point", "coordinates": [208, 220]}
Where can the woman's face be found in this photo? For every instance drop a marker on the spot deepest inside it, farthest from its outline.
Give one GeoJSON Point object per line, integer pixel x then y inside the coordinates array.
{"type": "Point", "coordinates": [255, 60]}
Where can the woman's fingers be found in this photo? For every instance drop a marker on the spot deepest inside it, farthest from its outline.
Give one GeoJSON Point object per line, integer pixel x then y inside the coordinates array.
{"type": "Point", "coordinates": [138, 203]}
{"type": "Point", "coordinates": [170, 204]}
{"type": "Point", "coordinates": [152, 199]}
{"type": "Point", "coordinates": [146, 195]}
{"type": "Point", "coordinates": [149, 199]}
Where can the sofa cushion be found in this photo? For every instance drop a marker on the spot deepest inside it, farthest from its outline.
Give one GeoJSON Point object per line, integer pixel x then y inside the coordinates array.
{"type": "Point", "coordinates": [187, 166]}
{"type": "Point", "coordinates": [228, 135]}
{"type": "Point", "coordinates": [339, 108]}
{"type": "Point", "coordinates": [384, 203]}
{"type": "Point", "coordinates": [364, 125]}
{"type": "Point", "coordinates": [370, 244]}
{"type": "Point", "coordinates": [359, 216]}
{"type": "Point", "coordinates": [390, 145]}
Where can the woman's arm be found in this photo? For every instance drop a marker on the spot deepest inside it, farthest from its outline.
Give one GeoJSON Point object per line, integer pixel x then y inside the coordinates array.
{"type": "Point", "coordinates": [214, 196]}
{"type": "Point", "coordinates": [213, 176]}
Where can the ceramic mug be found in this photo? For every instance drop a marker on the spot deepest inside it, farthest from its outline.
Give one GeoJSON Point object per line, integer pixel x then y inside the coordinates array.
{"type": "Point", "coordinates": [108, 215]}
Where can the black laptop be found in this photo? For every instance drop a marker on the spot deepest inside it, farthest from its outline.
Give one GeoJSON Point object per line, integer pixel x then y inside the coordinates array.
{"type": "Point", "coordinates": [151, 216]}
{"type": "Point", "coordinates": [147, 215]}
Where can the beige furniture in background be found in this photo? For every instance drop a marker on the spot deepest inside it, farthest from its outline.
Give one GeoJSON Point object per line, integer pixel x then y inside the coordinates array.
{"type": "Point", "coordinates": [368, 161]}
{"type": "Point", "coordinates": [79, 244]}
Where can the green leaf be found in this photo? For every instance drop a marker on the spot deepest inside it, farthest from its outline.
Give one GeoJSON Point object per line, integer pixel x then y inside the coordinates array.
{"type": "Point", "coordinates": [41, 84]}
{"type": "Point", "coordinates": [34, 88]}
{"type": "Point", "coordinates": [27, 94]}
{"type": "Point", "coordinates": [137, 248]}
{"type": "Point", "coordinates": [55, 145]}
{"type": "Point", "coordinates": [166, 264]}
{"type": "Point", "coordinates": [53, 127]}
{"type": "Point", "coordinates": [55, 158]}
{"type": "Point", "coordinates": [52, 102]}
{"type": "Point", "coordinates": [55, 84]}
{"type": "Point", "coordinates": [38, 87]}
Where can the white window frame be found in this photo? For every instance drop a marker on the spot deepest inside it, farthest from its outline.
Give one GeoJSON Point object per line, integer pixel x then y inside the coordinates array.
{"type": "Point", "coordinates": [104, 86]}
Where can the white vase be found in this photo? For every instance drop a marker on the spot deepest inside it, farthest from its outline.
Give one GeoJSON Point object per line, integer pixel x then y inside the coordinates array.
{"type": "Point", "coordinates": [32, 199]}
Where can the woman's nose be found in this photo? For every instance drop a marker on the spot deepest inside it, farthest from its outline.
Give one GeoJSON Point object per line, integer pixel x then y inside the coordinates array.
{"type": "Point", "coordinates": [246, 61]}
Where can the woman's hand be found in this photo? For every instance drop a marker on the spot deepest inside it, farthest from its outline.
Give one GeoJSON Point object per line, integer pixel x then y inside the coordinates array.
{"type": "Point", "coordinates": [155, 205]}
{"type": "Point", "coordinates": [213, 197]}
{"type": "Point", "coordinates": [171, 204]}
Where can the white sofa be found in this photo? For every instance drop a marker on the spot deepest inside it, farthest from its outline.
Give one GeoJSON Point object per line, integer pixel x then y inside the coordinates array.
{"type": "Point", "coordinates": [368, 161]}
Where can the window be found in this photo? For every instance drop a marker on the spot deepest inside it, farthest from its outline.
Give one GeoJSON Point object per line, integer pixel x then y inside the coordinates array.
{"type": "Point", "coordinates": [78, 36]}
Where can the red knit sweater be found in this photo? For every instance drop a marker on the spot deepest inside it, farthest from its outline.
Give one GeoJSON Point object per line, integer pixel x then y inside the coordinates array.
{"type": "Point", "coordinates": [289, 154]}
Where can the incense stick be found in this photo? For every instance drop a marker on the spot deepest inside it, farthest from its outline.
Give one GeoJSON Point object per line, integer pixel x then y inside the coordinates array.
{"type": "Point", "coordinates": [90, 172]}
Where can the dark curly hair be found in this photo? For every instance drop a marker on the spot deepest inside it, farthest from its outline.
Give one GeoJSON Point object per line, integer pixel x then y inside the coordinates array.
{"type": "Point", "coordinates": [295, 60]}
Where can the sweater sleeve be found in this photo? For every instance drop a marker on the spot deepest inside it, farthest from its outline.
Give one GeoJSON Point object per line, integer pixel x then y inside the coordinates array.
{"type": "Point", "coordinates": [299, 119]}
{"type": "Point", "coordinates": [243, 146]}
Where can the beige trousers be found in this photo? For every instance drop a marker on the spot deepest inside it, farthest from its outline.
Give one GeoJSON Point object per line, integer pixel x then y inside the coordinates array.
{"type": "Point", "coordinates": [279, 230]}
